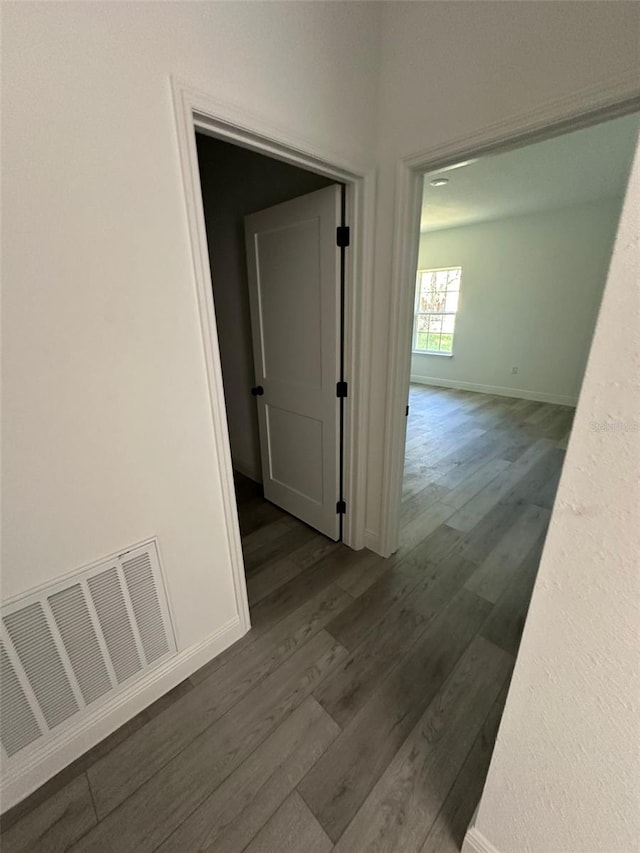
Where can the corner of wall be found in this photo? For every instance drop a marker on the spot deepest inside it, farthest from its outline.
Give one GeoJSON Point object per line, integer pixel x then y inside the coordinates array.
{"type": "Point", "coordinates": [372, 541]}
{"type": "Point", "coordinates": [475, 842]}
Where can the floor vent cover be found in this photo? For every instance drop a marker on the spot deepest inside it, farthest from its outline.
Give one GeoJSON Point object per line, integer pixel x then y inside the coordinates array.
{"type": "Point", "coordinates": [69, 647]}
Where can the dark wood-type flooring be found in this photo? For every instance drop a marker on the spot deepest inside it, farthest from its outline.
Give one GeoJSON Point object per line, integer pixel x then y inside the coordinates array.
{"type": "Point", "coordinates": [360, 711]}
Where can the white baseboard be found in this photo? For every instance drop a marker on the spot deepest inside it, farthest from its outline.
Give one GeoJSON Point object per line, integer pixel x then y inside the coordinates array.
{"type": "Point", "coordinates": [475, 842]}
{"type": "Point", "coordinates": [247, 470]}
{"type": "Point", "coordinates": [43, 762]}
{"type": "Point", "coordinates": [499, 390]}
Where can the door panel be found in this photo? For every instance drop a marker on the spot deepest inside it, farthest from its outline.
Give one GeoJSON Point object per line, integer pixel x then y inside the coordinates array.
{"type": "Point", "coordinates": [294, 287]}
{"type": "Point", "coordinates": [289, 291]}
{"type": "Point", "coordinates": [295, 452]}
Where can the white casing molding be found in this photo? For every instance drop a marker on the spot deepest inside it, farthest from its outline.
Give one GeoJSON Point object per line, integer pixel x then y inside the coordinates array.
{"type": "Point", "coordinates": [371, 541]}
{"type": "Point", "coordinates": [617, 96]}
{"type": "Point", "coordinates": [195, 109]}
{"type": "Point", "coordinates": [60, 751]}
{"type": "Point", "coordinates": [499, 390]}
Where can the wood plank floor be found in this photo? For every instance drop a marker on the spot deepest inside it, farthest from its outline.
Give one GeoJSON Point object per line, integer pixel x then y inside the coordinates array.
{"type": "Point", "coordinates": [360, 711]}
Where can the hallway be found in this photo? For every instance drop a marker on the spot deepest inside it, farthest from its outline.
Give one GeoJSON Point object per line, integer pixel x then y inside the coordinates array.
{"type": "Point", "coordinates": [361, 709]}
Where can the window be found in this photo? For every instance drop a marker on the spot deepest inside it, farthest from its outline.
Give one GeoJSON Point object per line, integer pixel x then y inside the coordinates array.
{"type": "Point", "coordinates": [437, 293]}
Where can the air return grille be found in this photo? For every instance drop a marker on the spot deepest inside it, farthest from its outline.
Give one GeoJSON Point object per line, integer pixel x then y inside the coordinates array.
{"type": "Point", "coordinates": [42, 664]}
{"type": "Point", "coordinates": [107, 595]}
{"type": "Point", "coordinates": [80, 641]}
{"type": "Point", "coordinates": [18, 725]}
{"type": "Point", "coordinates": [66, 649]}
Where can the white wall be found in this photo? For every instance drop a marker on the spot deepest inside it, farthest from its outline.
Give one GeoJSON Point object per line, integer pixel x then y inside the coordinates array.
{"type": "Point", "coordinates": [236, 182]}
{"type": "Point", "coordinates": [564, 774]}
{"type": "Point", "coordinates": [451, 69]}
{"type": "Point", "coordinates": [107, 437]}
{"type": "Point", "coordinates": [531, 287]}
{"type": "Point", "coordinates": [107, 430]}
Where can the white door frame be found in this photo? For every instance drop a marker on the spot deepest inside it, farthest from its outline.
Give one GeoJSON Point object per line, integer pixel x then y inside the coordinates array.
{"type": "Point", "coordinates": [197, 110]}
{"type": "Point", "coordinates": [616, 98]}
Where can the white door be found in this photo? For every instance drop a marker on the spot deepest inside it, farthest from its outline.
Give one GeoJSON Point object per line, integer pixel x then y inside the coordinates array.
{"type": "Point", "coordinates": [294, 290]}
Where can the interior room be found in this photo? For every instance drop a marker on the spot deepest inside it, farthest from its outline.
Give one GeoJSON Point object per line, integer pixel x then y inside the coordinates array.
{"type": "Point", "coordinates": [187, 666]}
{"type": "Point", "coordinates": [513, 258]}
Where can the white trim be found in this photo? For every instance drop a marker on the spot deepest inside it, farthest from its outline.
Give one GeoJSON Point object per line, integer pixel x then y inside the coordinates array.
{"type": "Point", "coordinates": [475, 842]}
{"type": "Point", "coordinates": [225, 121]}
{"type": "Point", "coordinates": [499, 390]}
{"type": "Point", "coordinates": [61, 750]}
{"type": "Point", "coordinates": [184, 110]}
{"type": "Point", "coordinates": [406, 238]}
{"type": "Point", "coordinates": [61, 581]}
{"type": "Point", "coordinates": [371, 541]}
{"type": "Point", "coordinates": [358, 322]}
{"type": "Point", "coordinates": [617, 96]}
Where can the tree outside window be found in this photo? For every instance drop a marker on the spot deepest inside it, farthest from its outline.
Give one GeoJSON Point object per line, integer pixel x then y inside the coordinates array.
{"type": "Point", "coordinates": [437, 294]}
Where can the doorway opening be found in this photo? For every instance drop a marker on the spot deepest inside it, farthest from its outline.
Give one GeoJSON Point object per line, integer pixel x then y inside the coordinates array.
{"type": "Point", "coordinates": [278, 291]}
{"type": "Point", "coordinates": [511, 262]}
{"type": "Point", "coordinates": [197, 113]}
{"type": "Point", "coordinates": [514, 249]}
{"type": "Point", "coordinates": [440, 164]}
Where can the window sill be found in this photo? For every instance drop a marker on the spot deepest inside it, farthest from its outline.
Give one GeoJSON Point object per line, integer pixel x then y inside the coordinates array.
{"type": "Point", "coordinates": [437, 354]}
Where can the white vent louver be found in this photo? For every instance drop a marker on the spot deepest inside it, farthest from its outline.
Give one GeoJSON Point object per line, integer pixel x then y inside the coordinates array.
{"type": "Point", "coordinates": [19, 725]}
{"type": "Point", "coordinates": [66, 648]}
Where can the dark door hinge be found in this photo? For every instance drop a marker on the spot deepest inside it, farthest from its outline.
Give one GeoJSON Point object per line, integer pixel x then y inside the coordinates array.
{"type": "Point", "coordinates": [406, 412]}
{"type": "Point", "coordinates": [343, 236]}
{"type": "Point", "coordinates": [341, 389]}
{"type": "Point", "coordinates": [341, 507]}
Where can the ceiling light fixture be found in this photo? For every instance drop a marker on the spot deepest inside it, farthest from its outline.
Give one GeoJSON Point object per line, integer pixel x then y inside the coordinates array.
{"type": "Point", "coordinates": [439, 182]}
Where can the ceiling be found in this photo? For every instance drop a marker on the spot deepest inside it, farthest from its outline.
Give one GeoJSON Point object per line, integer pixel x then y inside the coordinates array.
{"type": "Point", "coordinates": [574, 168]}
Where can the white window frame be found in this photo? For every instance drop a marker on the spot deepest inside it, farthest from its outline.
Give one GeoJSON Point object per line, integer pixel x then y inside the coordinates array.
{"type": "Point", "coordinates": [416, 313]}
